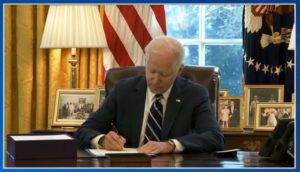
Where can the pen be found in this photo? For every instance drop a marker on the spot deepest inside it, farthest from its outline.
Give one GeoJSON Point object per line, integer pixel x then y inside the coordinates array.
{"type": "Point", "coordinates": [114, 128]}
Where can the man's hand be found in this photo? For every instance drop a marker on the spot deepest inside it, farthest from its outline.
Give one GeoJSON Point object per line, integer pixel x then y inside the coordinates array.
{"type": "Point", "coordinates": [112, 141]}
{"type": "Point", "coordinates": [153, 147]}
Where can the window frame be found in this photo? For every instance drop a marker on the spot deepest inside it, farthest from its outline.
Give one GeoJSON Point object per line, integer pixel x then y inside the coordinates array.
{"type": "Point", "coordinates": [202, 42]}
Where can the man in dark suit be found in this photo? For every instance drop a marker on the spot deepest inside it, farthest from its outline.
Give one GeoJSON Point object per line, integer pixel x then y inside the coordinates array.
{"type": "Point", "coordinates": [234, 120]}
{"type": "Point", "coordinates": [188, 123]}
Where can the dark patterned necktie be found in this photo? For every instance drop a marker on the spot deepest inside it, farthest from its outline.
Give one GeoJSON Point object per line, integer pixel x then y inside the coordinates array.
{"type": "Point", "coordinates": [154, 122]}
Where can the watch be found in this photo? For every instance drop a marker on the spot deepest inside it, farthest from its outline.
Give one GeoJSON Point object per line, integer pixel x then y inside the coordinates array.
{"type": "Point", "coordinates": [172, 143]}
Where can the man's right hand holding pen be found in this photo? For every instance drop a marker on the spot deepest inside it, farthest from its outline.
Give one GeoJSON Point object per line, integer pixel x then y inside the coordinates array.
{"type": "Point", "coordinates": [112, 140]}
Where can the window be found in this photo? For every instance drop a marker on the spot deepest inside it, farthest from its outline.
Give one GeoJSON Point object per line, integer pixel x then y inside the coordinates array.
{"type": "Point", "coordinates": [212, 36]}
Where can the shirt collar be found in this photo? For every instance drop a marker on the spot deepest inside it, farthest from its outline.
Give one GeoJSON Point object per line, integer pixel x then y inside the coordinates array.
{"type": "Point", "coordinates": [165, 95]}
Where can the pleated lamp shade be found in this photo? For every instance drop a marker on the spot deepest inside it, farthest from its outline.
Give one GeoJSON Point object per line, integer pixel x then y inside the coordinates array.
{"type": "Point", "coordinates": [73, 26]}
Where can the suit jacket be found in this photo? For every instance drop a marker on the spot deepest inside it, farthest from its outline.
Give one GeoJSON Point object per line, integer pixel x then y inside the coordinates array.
{"type": "Point", "coordinates": [235, 119]}
{"type": "Point", "coordinates": [188, 117]}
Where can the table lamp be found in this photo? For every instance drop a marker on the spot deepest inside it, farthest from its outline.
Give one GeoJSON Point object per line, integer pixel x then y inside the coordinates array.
{"type": "Point", "coordinates": [73, 26]}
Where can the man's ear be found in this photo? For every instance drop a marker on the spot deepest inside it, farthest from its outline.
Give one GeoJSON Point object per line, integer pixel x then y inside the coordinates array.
{"type": "Point", "coordinates": [180, 69]}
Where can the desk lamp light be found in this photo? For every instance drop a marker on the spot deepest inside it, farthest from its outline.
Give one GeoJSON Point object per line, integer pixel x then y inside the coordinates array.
{"type": "Point", "coordinates": [73, 26]}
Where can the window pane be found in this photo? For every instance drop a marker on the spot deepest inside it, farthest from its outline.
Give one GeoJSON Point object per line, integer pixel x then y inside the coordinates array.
{"type": "Point", "coordinates": [220, 22]}
{"type": "Point", "coordinates": [182, 21]}
{"type": "Point", "coordinates": [229, 59]}
{"type": "Point", "coordinates": [223, 22]}
{"type": "Point", "coordinates": [191, 54]}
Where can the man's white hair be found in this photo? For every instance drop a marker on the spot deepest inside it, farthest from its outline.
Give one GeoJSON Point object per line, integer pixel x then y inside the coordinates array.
{"type": "Point", "coordinates": [166, 45]}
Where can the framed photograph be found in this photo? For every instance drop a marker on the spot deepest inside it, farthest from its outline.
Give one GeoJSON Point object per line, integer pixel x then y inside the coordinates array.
{"type": "Point", "coordinates": [268, 114]}
{"type": "Point", "coordinates": [230, 113]}
{"type": "Point", "coordinates": [260, 93]}
{"type": "Point", "coordinates": [73, 106]}
{"type": "Point", "coordinates": [100, 96]}
{"type": "Point", "coordinates": [223, 93]}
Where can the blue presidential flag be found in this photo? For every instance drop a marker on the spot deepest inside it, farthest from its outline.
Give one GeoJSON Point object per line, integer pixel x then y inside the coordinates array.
{"type": "Point", "coordinates": [266, 36]}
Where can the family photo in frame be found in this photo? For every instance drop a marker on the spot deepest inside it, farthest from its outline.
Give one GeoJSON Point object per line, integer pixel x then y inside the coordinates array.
{"type": "Point", "coordinates": [268, 115]}
{"type": "Point", "coordinates": [230, 113]}
{"type": "Point", "coordinates": [223, 93]}
{"type": "Point", "coordinates": [260, 94]}
{"type": "Point", "coordinates": [100, 96]}
{"type": "Point", "coordinates": [73, 106]}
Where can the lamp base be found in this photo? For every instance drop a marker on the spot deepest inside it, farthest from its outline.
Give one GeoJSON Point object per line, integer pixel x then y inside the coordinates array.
{"type": "Point", "coordinates": [73, 62]}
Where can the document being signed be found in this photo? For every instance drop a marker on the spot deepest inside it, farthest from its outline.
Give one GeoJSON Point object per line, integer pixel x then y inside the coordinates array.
{"type": "Point", "coordinates": [103, 152]}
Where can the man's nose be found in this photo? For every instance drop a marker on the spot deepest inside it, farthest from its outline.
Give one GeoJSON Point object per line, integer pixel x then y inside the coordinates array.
{"type": "Point", "coordinates": [155, 78]}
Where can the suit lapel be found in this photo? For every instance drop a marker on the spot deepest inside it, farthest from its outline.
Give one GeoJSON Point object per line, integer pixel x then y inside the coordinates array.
{"type": "Point", "coordinates": [138, 97]}
{"type": "Point", "coordinates": [173, 107]}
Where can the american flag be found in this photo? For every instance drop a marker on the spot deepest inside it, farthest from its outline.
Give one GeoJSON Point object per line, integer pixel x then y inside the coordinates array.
{"type": "Point", "coordinates": [128, 29]}
{"type": "Point", "coordinates": [263, 9]}
{"type": "Point", "coordinates": [266, 38]}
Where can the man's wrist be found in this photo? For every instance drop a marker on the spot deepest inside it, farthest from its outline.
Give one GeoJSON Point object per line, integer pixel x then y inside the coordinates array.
{"type": "Point", "coordinates": [95, 142]}
{"type": "Point", "coordinates": [100, 142]}
{"type": "Point", "coordinates": [172, 143]}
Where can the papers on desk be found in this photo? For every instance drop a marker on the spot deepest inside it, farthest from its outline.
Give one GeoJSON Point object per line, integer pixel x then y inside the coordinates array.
{"type": "Point", "coordinates": [104, 152]}
{"type": "Point", "coordinates": [41, 137]}
{"type": "Point", "coordinates": [124, 156]}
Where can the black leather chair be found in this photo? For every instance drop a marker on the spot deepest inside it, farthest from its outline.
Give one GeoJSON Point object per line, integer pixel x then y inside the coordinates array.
{"type": "Point", "coordinates": [208, 76]}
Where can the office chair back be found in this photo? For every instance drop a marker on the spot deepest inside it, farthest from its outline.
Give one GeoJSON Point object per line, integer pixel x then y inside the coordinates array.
{"type": "Point", "coordinates": [208, 76]}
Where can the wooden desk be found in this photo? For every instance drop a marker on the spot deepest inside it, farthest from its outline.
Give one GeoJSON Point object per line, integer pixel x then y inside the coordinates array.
{"type": "Point", "coordinates": [244, 141]}
{"type": "Point", "coordinates": [243, 160]}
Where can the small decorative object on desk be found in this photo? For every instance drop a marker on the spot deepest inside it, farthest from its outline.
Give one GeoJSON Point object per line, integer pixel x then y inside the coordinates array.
{"type": "Point", "coordinates": [35, 146]}
{"type": "Point", "coordinates": [73, 106]}
{"type": "Point", "coordinates": [268, 115]}
{"type": "Point", "coordinates": [260, 93]}
{"type": "Point", "coordinates": [230, 114]}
